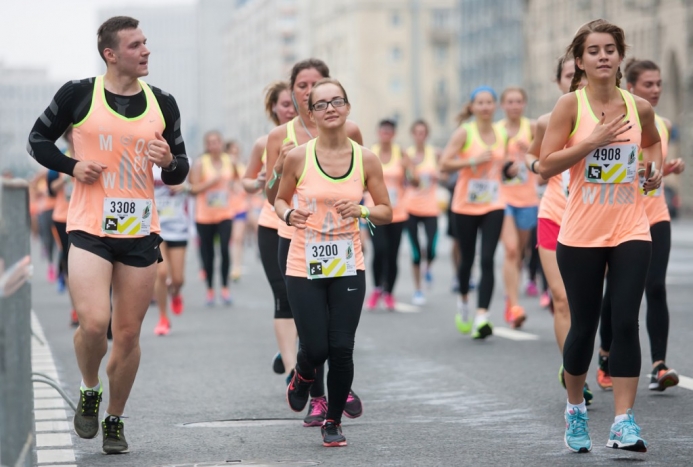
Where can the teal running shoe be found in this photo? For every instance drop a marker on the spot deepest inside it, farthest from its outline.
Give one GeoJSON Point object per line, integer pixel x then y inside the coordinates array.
{"type": "Point", "coordinates": [577, 435]}
{"type": "Point", "coordinates": [626, 435]}
{"type": "Point", "coordinates": [587, 394]}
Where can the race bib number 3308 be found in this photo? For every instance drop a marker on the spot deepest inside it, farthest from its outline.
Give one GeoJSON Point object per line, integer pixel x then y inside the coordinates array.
{"type": "Point", "coordinates": [330, 259]}
{"type": "Point", "coordinates": [126, 216]}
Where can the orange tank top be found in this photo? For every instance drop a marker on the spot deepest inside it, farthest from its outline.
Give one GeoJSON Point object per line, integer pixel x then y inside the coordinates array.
{"type": "Point", "coordinates": [329, 246]}
{"type": "Point", "coordinates": [393, 174]}
{"type": "Point", "coordinates": [121, 203]}
{"type": "Point", "coordinates": [553, 203]}
{"type": "Point", "coordinates": [284, 230]}
{"type": "Point", "coordinates": [239, 197]}
{"type": "Point", "coordinates": [213, 205]}
{"type": "Point", "coordinates": [267, 218]}
{"type": "Point", "coordinates": [423, 200]}
{"type": "Point", "coordinates": [62, 197]}
{"type": "Point", "coordinates": [655, 202]}
{"type": "Point", "coordinates": [604, 207]}
{"type": "Point", "coordinates": [520, 191]}
{"type": "Point", "coordinates": [477, 191]}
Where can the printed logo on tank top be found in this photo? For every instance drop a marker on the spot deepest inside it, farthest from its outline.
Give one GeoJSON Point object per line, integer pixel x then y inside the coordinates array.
{"type": "Point", "coordinates": [130, 171]}
{"type": "Point", "coordinates": [333, 226]}
{"type": "Point", "coordinates": [608, 194]}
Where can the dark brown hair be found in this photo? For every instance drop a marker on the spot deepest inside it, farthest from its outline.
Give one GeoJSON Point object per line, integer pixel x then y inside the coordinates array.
{"type": "Point", "coordinates": [577, 47]}
{"type": "Point", "coordinates": [272, 93]}
{"type": "Point", "coordinates": [107, 35]}
{"type": "Point", "coordinates": [635, 67]}
{"type": "Point", "coordinates": [321, 83]}
{"type": "Point", "coordinates": [316, 63]}
{"type": "Point", "coordinates": [510, 89]}
{"type": "Point", "coordinates": [418, 122]}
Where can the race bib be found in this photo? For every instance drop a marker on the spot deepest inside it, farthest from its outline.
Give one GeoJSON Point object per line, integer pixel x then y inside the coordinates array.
{"type": "Point", "coordinates": [657, 192]}
{"type": "Point", "coordinates": [481, 191]}
{"type": "Point", "coordinates": [520, 178]}
{"type": "Point", "coordinates": [126, 216]}
{"type": "Point", "coordinates": [170, 207]}
{"type": "Point", "coordinates": [330, 259]}
{"type": "Point", "coordinates": [616, 163]}
{"type": "Point", "coordinates": [393, 192]}
{"type": "Point", "coordinates": [217, 198]}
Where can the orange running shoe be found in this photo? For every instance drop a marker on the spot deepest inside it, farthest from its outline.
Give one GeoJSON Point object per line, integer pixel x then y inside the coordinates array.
{"type": "Point", "coordinates": [177, 304]}
{"type": "Point", "coordinates": [517, 316]}
{"type": "Point", "coordinates": [603, 376]}
{"type": "Point", "coordinates": [508, 316]}
{"type": "Point", "coordinates": [163, 328]}
{"type": "Point", "coordinates": [74, 321]}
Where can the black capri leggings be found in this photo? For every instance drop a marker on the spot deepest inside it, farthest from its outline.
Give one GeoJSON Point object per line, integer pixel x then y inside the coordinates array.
{"type": "Point", "coordinates": [207, 232]}
{"type": "Point", "coordinates": [583, 270]}
{"type": "Point", "coordinates": [465, 228]}
{"type": "Point", "coordinates": [327, 313]}
{"type": "Point", "coordinates": [386, 240]}
{"type": "Point", "coordinates": [61, 230]}
{"type": "Point", "coordinates": [318, 387]}
{"type": "Point", "coordinates": [268, 243]}
{"type": "Point", "coordinates": [655, 293]}
{"type": "Point", "coordinates": [430, 224]}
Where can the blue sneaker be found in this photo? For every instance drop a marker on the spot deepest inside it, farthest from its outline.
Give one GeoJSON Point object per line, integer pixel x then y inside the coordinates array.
{"type": "Point", "coordinates": [60, 285]}
{"type": "Point", "coordinates": [626, 435]}
{"type": "Point", "coordinates": [428, 277]}
{"type": "Point", "coordinates": [418, 299]}
{"type": "Point", "coordinates": [577, 435]}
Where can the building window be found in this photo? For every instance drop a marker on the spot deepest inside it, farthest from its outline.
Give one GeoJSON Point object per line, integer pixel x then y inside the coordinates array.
{"type": "Point", "coordinates": [440, 53]}
{"type": "Point", "coordinates": [396, 86]}
{"type": "Point", "coordinates": [395, 19]}
{"type": "Point", "coordinates": [395, 54]}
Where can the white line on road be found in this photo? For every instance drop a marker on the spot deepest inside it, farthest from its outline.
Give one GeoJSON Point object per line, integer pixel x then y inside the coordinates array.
{"type": "Point", "coordinates": [686, 382]}
{"type": "Point", "coordinates": [406, 308]}
{"type": "Point", "coordinates": [514, 335]}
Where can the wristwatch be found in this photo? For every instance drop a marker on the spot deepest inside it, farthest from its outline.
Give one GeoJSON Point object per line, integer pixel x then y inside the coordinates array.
{"type": "Point", "coordinates": [172, 166]}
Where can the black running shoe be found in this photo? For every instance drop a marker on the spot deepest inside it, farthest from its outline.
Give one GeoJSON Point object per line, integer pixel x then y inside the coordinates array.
{"type": "Point", "coordinates": [86, 421]}
{"type": "Point", "coordinates": [353, 407]}
{"type": "Point", "coordinates": [298, 392]}
{"type": "Point", "coordinates": [332, 436]}
{"type": "Point", "coordinates": [114, 436]}
{"type": "Point", "coordinates": [278, 364]}
{"type": "Point", "coordinates": [663, 377]}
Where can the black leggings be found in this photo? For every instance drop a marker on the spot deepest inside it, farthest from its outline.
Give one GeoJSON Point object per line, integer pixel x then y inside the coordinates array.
{"type": "Point", "coordinates": [61, 229]}
{"type": "Point", "coordinates": [583, 271]}
{"type": "Point", "coordinates": [386, 240]}
{"type": "Point", "coordinates": [207, 232]}
{"type": "Point", "coordinates": [318, 387]}
{"type": "Point", "coordinates": [533, 263]}
{"type": "Point", "coordinates": [327, 313]}
{"type": "Point", "coordinates": [268, 243]}
{"type": "Point", "coordinates": [655, 293]}
{"type": "Point", "coordinates": [466, 228]}
{"type": "Point", "coordinates": [430, 224]}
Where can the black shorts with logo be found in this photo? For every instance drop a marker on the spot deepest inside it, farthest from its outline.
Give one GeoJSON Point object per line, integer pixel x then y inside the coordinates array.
{"type": "Point", "coordinates": [137, 252]}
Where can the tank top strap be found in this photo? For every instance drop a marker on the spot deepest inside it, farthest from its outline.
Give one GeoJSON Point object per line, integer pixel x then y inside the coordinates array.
{"type": "Point", "coordinates": [358, 160]}
{"type": "Point", "coordinates": [632, 107]}
{"type": "Point", "coordinates": [291, 131]}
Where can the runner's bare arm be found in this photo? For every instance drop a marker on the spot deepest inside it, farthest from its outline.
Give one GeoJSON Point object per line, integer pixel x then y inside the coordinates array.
{"type": "Point", "coordinates": [535, 148]}
{"type": "Point", "coordinates": [254, 177]}
{"type": "Point", "coordinates": [381, 212]}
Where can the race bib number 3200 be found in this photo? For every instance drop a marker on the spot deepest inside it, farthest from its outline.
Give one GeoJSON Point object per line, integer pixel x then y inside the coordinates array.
{"type": "Point", "coordinates": [616, 163]}
{"type": "Point", "coordinates": [126, 216]}
{"type": "Point", "coordinates": [330, 259]}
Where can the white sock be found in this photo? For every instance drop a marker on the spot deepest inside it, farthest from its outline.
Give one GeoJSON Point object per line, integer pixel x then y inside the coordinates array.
{"type": "Point", "coordinates": [84, 387]}
{"type": "Point", "coordinates": [481, 317]}
{"type": "Point", "coordinates": [582, 407]}
{"type": "Point", "coordinates": [463, 309]}
{"type": "Point", "coordinates": [620, 418]}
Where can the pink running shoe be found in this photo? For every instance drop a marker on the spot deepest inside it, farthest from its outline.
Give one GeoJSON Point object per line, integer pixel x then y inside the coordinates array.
{"type": "Point", "coordinates": [531, 290]}
{"type": "Point", "coordinates": [52, 273]}
{"type": "Point", "coordinates": [373, 300]}
{"type": "Point", "coordinates": [163, 328]}
{"type": "Point", "coordinates": [317, 411]}
{"type": "Point", "coordinates": [545, 300]}
{"type": "Point", "coordinates": [389, 301]}
{"type": "Point", "coordinates": [177, 304]}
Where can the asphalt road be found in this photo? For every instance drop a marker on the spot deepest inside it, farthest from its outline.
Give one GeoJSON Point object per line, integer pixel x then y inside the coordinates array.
{"type": "Point", "coordinates": [432, 397]}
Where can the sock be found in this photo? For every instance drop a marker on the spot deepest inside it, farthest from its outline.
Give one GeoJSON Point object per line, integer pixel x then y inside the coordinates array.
{"type": "Point", "coordinates": [481, 317]}
{"type": "Point", "coordinates": [582, 407]}
{"type": "Point", "coordinates": [96, 388]}
{"type": "Point", "coordinates": [620, 418]}
{"type": "Point", "coordinates": [463, 309]}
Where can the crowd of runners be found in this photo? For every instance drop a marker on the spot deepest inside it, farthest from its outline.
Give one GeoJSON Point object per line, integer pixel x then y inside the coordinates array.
{"type": "Point", "coordinates": [574, 195]}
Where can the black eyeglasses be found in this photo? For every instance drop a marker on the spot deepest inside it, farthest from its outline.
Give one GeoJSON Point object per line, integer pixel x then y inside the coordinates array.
{"type": "Point", "coordinates": [336, 102]}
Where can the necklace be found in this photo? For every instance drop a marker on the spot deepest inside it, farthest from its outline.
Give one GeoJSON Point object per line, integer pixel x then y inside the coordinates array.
{"type": "Point", "coordinates": [305, 127]}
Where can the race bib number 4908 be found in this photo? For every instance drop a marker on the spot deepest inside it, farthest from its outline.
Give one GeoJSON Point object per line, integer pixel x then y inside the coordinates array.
{"type": "Point", "coordinates": [330, 259]}
{"type": "Point", "coordinates": [126, 216]}
{"type": "Point", "coordinates": [616, 163]}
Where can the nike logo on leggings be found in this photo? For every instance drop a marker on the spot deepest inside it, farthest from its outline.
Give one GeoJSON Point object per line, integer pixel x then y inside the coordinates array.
{"type": "Point", "coordinates": [350, 290]}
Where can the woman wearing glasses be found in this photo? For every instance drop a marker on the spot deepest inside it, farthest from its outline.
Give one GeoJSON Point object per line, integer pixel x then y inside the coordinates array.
{"type": "Point", "coordinates": [325, 271]}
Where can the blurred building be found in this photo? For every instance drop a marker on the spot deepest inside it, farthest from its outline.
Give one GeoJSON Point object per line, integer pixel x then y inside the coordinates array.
{"type": "Point", "coordinates": [172, 41]}
{"type": "Point", "coordinates": [396, 59]}
{"type": "Point", "coordinates": [491, 44]}
{"type": "Point", "coordinates": [24, 94]}
{"type": "Point", "coordinates": [658, 30]}
{"type": "Point", "coordinates": [259, 45]}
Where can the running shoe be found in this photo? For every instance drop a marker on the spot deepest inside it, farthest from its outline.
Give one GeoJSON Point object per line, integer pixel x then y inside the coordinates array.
{"type": "Point", "coordinates": [353, 407]}
{"type": "Point", "coordinates": [577, 435]}
{"type": "Point", "coordinates": [373, 300]}
{"type": "Point", "coordinates": [60, 284]}
{"type": "Point", "coordinates": [531, 289]}
{"type": "Point", "coordinates": [298, 392]}
{"type": "Point", "coordinates": [517, 316]}
{"type": "Point", "coordinates": [86, 421]}
{"type": "Point", "coordinates": [317, 411]}
{"type": "Point", "coordinates": [603, 376]}
{"type": "Point", "coordinates": [163, 328]}
{"type": "Point", "coordinates": [626, 435]}
{"type": "Point", "coordinates": [278, 364]}
{"type": "Point", "coordinates": [177, 304]}
{"type": "Point", "coordinates": [114, 435]}
{"type": "Point", "coordinates": [418, 299]}
{"type": "Point", "coordinates": [389, 301]}
{"type": "Point", "coordinates": [52, 273]}
{"type": "Point", "coordinates": [332, 436]}
{"type": "Point", "coordinates": [211, 299]}
{"type": "Point", "coordinates": [545, 300]}
{"type": "Point", "coordinates": [226, 296]}
{"type": "Point", "coordinates": [587, 394]}
{"type": "Point", "coordinates": [663, 377]}
{"type": "Point", "coordinates": [74, 320]}
{"type": "Point", "coordinates": [462, 319]}
{"type": "Point", "coordinates": [482, 327]}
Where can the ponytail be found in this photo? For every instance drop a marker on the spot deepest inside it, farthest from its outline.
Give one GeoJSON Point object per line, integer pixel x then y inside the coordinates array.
{"type": "Point", "coordinates": [465, 114]}
{"type": "Point", "coordinates": [577, 78]}
{"type": "Point", "coordinates": [619, 77]}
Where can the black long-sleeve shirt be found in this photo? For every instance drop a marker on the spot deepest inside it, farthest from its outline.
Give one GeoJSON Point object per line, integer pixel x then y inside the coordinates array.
{"type": "Point", "coordinates": [71, 104]}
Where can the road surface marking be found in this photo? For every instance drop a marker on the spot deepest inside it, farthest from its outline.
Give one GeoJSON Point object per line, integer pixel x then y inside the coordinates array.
{"type": "Point", "coordinates": [514, 335]}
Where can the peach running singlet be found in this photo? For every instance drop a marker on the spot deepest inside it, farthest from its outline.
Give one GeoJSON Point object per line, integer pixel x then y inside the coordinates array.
{"type": "Point", "coordinates": [520, 191]}
{"type": "Point", "coordinates": [121, 203]}
{"type": "Point", "coordinates": [423, 200]}
{"type": "Point", "coordinates": [329, 246]}
{"type": "Point", "coordinates": [605, 207]}
{"type": "Point", "coordinates": [213, 205]}
{"type": "Point", "coordinates": [393, 174]}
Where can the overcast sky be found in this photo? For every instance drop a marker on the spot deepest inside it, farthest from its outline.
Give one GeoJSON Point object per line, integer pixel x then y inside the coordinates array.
{"type": "Point", "coordinates": [58, 35]}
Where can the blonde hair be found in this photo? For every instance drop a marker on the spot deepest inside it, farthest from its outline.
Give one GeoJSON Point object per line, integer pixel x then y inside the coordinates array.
{"type": "Point", "coordinates": [272, 93]}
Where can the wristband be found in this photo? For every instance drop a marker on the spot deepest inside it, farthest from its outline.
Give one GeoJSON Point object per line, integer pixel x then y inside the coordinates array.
{"type": "Point", "coordinates": [287, 216]}
{"type": "Point", "coordinates": [365, 212]}
{"type": "Point", "coordinates": [531, 166]}
{"type": "Point", "coordinates": [275, 177]}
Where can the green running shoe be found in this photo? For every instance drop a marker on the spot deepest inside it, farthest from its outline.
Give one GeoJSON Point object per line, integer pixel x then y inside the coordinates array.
{"type": "Point", "coordinates": [86, 421]}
